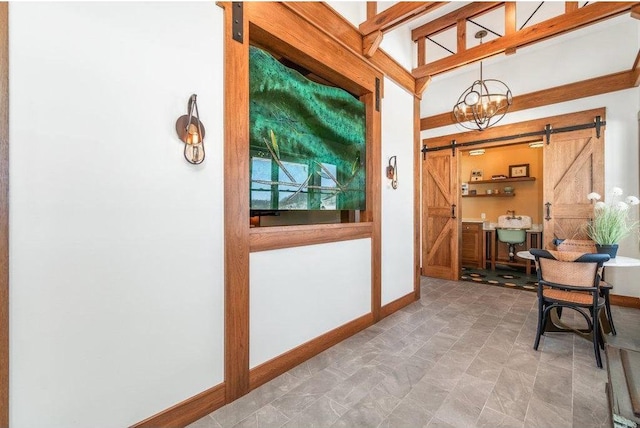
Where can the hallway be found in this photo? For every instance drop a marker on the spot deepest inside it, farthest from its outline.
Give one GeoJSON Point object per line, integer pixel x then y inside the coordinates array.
{"type": "Point", "coordinates": [460, 357]}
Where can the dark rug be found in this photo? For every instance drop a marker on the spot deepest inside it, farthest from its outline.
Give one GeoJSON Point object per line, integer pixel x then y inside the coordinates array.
{"type": "Point", "coordinates": [501, 277]}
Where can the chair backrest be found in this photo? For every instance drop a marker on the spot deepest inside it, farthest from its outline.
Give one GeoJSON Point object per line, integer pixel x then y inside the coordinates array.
{"type": "Point", "coordinates": [567, 268]}
{"type": "Point", "coordinates": [576, 245]}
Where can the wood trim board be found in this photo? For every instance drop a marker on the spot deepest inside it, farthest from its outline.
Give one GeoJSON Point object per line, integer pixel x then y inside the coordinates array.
{"type": "Point", "coordinates": [4, 214]}
{"type": "Point", "coordinates": [236, 210]}
{"type": "Point", "coordinates": [187, 411]}
{"type": "Point", "coordinates": [558, 94]}
{"type": "Point", "coordinates": [273, 238]}
{"type": "Point", "coordinates": [626, 301]}
{"type": "Point", "coordinates": [271, 369]}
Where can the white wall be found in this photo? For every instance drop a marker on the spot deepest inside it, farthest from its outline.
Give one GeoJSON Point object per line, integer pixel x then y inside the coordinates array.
{"type": "Point", "coordinates": [397, 205]}
{"type": "Point", "coordinates": [300, 293]}
{"type": "Point", "coordinates": [116, 256]}
{"type": "Point", "coordinates": [553, 64]}
{"type": "Point", "coordinates": [116, 271]}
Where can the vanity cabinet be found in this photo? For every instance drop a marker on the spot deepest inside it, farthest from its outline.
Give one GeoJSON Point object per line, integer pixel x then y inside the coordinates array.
{"type": "Point", "coordinates": [472, 244]}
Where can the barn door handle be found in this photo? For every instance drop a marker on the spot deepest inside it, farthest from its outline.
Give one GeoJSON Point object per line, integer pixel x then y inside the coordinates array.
{"type": "Point", "coordinates": [453, 211]}
{"type": "Point", "coordinates": [548, 205]}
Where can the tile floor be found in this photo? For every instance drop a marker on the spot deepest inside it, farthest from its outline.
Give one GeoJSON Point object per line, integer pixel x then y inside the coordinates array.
{"type": "Point", "coordinates": [460, 357]}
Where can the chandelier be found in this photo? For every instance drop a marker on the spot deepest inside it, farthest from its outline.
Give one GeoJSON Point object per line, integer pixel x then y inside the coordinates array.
{"type": "Point", "coordinates": [483, 103]}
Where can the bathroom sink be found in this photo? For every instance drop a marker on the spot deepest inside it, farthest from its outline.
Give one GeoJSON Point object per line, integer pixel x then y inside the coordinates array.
{"type": "Point", "coordinates": [511, 235]}
{"type": "Point", "coordinates": [517, 222]}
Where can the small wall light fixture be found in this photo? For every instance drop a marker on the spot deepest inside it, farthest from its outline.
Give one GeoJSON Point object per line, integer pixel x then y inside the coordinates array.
{"type": "Point", "coordinates": [476, 152]}
{"type": "Point", "coordinates": [392, 171]}
{"type": "Point", "coordinates": [536, 144]}
{"type": "Point", "coordinates": [191, 131]}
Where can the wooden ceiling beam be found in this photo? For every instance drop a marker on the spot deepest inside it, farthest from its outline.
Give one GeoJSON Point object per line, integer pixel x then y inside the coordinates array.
{"type": "Point", "coordinates": [551, 27]}
{"type": "Point", "coordinates": [636, 70]}
{"type": "Point", "coordinates": [399, 13]}
{"type": "Point", "coordinates": [372, 9]}
{"type": "Point", "coordinates": [451, 19]}
{"type": "Point", "coordinates": [635, 12]}
{"type": "Point", "coordinates": [572, 91]}
{"type": "Point", "coordinates": [421, 86]}
{"type": "Point", "coordinates": [509, 23]}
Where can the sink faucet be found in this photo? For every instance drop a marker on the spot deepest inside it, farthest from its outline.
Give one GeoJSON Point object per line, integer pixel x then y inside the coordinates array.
{"type": "Point", "coordinates": [511, 215]}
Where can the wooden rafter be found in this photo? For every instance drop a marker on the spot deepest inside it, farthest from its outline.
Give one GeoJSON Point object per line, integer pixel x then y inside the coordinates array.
{"type": "Point", "coordinates": [399, 13]}
{"type": "Point", "coordinates": [372, 9]}
{"type": "Point", "coordinates": [552, 27]}
{"type": "Point", "coordinates": [451, 19]}
{"type": "Point", "coordinates": [636, 70]}
{"type": "Point", "coordinates": [635, 12]}
{"type": "Point", "coordinates": [572, 91]}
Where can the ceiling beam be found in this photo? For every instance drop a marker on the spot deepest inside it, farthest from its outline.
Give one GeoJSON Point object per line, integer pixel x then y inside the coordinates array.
{"type": "Point", "coordinates": [572, 91]}
{"type": "Point", "coordinates": [451, 19]}
{"type": "Point", "coordinates": [551, 27]}
{"type": "Point", "coordinates": [398, 14]}
{"type": "Point", "coordinates": [421, 85]}
{"type": "Point", "coordinates": [372, 9]}
{"type": "Point", "coordinates": [636, 70]}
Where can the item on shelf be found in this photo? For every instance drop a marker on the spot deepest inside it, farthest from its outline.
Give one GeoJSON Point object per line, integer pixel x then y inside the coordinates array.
{"type": "Point", "coordinates": [489, 191]}
{"type": "Point", "coordinates": [465, 189]}
{"type": "Point", "coordinates": [472, 192]}
{"type": "Point", "coordinates": [476, 175]}
{"type": "Point", "coordinates": [496, 191]}
{"type": "Point", "coordinates": [508, 189]}
{"type": "Point", "coordinates": [498, 177]}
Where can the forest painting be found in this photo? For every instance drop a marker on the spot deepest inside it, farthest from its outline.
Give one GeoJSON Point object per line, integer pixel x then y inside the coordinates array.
{"type": "Point", "coordinates": [307, 141]}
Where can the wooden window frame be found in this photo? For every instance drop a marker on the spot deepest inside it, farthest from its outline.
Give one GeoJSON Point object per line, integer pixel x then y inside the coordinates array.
{"type": "Point", "coordinates": [283, 31]}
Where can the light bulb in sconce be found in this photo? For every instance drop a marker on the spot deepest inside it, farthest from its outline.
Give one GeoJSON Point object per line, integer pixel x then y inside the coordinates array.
{"type": "Point", "coordinates": [191, 131]}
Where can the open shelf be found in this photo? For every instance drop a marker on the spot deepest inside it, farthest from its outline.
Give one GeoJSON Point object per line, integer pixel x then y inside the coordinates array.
{"type": "Point", "coordinates": [503, 180]}
{"type": "Point", "coordinates": [495, 195]}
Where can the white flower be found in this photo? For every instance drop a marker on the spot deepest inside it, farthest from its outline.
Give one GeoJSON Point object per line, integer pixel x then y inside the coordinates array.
{"type": "Point", "coordinates": [593, 196]}
{"type": "Point", "coordinates": [622, 206]}
{"type": "Point", "coordinates": [600, 205]}
{"type": "Point", "coordinates": [633, 200]}
{"type": "Point", "coordinates": [616, 191]}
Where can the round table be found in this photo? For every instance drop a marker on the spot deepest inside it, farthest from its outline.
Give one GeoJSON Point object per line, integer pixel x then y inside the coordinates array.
{"type": "Point", "coordinates": [619, 261]}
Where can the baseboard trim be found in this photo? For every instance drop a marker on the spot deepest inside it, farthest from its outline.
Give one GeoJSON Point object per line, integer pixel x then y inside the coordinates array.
{"type": "Point", "coordinates": [398, 304]}
{"type": "Point", "coordinates": [282, 363]}
{"type": "Point", "coordinates": [188, 411]}
{"type": "Point", "coordinates": [626, 301]}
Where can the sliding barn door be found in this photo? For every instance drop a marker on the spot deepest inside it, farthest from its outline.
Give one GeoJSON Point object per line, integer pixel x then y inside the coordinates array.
{"type": "Point", "coordinates": [573, 168]}
{"type": "Point", "coordinates": [439, 215]}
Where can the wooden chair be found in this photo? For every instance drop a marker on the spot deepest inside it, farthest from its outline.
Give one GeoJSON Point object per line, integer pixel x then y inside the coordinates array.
{"type": "Point", "coordinates": [570, 280]}
{"type": "Point", "coordinates": [588, 246]}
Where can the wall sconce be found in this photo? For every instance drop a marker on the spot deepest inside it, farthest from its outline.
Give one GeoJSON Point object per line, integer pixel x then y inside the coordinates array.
{"type": "Point", "coordinates": [476, 152]}
{"type": "Point", "coordinates": [392, 172]}
{"type": "Point", "coordinates": [536, 144]}
{"type": "Point", "coordinates": [191, 131]}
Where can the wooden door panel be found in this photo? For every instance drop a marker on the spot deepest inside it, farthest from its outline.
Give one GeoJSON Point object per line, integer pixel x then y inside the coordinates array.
{"type": "Point", "coordinates": [440, 230]}
{"type": "Point", "coordinates": [573, 167]}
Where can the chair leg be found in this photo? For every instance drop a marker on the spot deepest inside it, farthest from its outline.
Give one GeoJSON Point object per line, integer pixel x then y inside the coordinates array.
{"type": "Point", "coordinates": [541, 320]}
{"type": "Point", "coordinates": [607, 307]}
{"type": "Point", "coordinates": [596, 338]}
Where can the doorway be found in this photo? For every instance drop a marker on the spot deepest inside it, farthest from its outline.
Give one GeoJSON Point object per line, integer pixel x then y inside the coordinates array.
{"type": "Point", "coordinates": [572, 166]}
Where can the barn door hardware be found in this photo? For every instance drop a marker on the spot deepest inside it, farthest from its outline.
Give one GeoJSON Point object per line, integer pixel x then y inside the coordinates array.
{"type": "Point", "coordinates": [237, 27]}
{"type": "Point", "coordinates": [548, 206]}
{"type": "Point", "coordinates": [598, 126]}
{"type": "Point", "coordinates": [547, 133]}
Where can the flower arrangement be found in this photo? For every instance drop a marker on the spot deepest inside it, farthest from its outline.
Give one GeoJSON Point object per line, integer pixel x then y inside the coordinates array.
{"type": "Point", "coordinates": [611, 219]}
